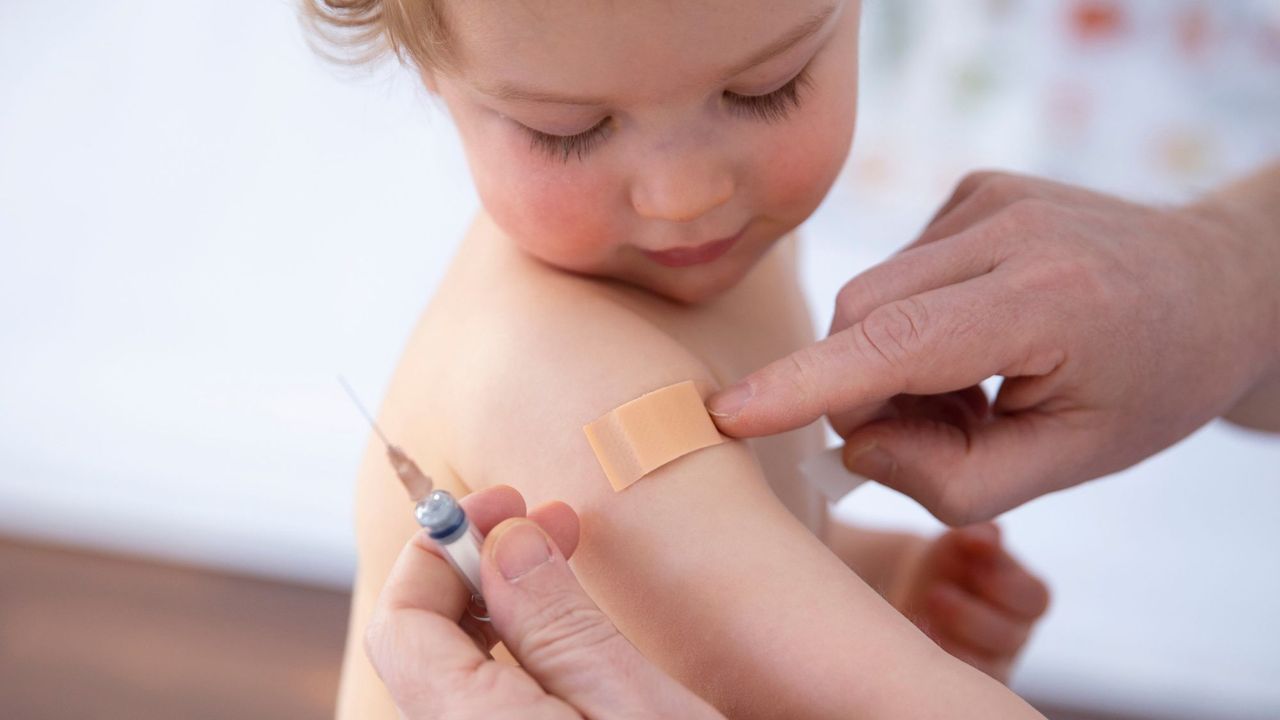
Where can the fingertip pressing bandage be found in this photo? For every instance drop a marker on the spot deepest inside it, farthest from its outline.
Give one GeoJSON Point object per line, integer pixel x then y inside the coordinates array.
{"type": "Point", "coordinates": [641, 436]}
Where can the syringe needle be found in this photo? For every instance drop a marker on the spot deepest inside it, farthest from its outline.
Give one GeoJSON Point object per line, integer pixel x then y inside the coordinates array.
{"type": "Point", "coordinates": [416, 482]}
{"type": "Point", "coordinates": [360, 406]}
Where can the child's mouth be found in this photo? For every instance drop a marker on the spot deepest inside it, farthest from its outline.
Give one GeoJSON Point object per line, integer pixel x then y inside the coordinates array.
{"type": "Point", "coordinates": [696, 255]}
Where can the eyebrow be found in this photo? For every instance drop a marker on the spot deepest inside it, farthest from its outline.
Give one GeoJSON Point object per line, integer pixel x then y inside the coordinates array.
{"type": "Point", "coordinates": [797, 35]}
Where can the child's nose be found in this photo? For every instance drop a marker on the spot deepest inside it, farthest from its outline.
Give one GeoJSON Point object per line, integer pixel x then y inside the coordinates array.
{"type": "Point", "coordinates": [681, 186]}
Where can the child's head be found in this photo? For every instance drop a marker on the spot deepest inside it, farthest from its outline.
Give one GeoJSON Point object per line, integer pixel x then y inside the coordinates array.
{"type": "Point", "coordinates": [609, 138]}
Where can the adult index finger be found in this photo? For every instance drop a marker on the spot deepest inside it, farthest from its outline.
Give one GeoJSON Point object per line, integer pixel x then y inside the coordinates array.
{"type": "Point", "coordinates": [939, 341]}
{"type": "Point", "coordinates": [490, 506]}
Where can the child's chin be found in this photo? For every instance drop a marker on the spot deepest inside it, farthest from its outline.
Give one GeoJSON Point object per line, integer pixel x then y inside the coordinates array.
{"type": "Point", "coordinates": [695, 289]}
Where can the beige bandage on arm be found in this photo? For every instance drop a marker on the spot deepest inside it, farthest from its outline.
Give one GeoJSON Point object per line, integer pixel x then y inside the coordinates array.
{"type": "Point", "coordinates": [641, 436]}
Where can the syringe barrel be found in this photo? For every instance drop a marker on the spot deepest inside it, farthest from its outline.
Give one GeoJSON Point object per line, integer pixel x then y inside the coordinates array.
{"type": "Point", "coordinates": [464, 555]}
{"type": "Point", "coordinates": [448, 525]}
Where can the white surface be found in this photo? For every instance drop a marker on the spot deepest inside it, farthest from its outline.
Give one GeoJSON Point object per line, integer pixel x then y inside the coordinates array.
{"type": "Point", "coordinates": [827, 474]}
{"type": "Point", "coordinates": [201, 224]}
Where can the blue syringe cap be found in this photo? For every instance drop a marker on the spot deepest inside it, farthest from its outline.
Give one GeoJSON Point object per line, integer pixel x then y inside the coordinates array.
{"type": "Point", "coordinates": [441, 515]}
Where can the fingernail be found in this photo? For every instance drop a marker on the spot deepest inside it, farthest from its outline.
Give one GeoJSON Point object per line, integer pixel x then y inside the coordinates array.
{"type": "Point", "coordinates": [871, 461]}
{"type": "Point", "coordinates": [521, 550]}
{"type": "Point", "coordinates": [984, 531]}
{"type": "Point", "coordinates": [730, 402]}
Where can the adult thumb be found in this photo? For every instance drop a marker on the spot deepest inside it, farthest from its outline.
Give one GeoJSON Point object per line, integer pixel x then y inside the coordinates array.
{"type": "Point", "coordinates": [969, 474]}
{"type": "Point", "coordinates": [563, 639]}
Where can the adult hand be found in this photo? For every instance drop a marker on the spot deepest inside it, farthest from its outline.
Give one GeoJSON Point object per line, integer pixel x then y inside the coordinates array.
{"type": "Point", "coordinates": [1119, 329]}
{"type": "Point", "coordinates": [433, 656]}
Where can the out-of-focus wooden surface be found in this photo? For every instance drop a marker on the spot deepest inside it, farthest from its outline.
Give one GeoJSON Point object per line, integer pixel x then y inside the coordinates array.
{"type": "Point", "coordinates": [87, 635]}
{"type": "Point", "coordinates": [84, 635]}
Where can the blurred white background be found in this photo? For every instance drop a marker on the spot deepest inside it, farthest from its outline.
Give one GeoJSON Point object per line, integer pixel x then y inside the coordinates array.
{"type": "Point", "coordinates": [201, 224]}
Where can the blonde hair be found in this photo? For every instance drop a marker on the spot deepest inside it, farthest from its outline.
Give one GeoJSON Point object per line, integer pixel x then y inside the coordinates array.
{"type": "Point", "coordinates": [354, 32]}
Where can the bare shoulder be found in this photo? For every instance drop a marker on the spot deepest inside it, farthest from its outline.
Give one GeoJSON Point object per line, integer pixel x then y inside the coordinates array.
{"type": "Point", "coordinates": [548, 353]}
{"type": "Point", "coordinates": [508, 363]}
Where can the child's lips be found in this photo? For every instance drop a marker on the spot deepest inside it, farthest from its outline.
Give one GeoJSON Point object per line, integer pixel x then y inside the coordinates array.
{"type": "Point", "coordinates": [696, 255]}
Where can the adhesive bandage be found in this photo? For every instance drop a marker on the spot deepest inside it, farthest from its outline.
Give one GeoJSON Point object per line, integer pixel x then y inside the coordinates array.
{"type": "Point", "coordinates": [641, 436]}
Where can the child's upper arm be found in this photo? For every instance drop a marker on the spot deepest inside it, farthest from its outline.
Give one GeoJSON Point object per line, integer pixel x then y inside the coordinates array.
{"type": "Point", "coordinates": [697, 563]}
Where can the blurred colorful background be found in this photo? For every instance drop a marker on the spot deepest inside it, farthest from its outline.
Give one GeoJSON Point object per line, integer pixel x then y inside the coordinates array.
{"type": "Point", "coordinates": [202, 224]}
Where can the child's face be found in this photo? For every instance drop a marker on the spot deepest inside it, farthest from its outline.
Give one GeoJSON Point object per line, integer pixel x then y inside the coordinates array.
{"type": "Point", "coordinates": [664, 143]}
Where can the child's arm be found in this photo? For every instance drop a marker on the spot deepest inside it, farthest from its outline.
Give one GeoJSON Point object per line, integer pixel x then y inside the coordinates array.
{"type": "Point", "coordinates": [879, 558]}
{"type": "Point", "coordinates": [698, 563]}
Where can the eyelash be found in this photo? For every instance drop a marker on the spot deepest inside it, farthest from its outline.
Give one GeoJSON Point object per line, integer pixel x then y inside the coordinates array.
{"type": "Point", "coordinates": [774, 106]}
{"type": "Point", "coordinates": [770, 108]}
{"type": "Point", "coordinates": [560, 147]}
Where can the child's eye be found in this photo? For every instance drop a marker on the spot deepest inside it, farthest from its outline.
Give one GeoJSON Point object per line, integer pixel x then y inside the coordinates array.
{"type": "Point", "coordinates": [773, 106]}
{"type": "Point", "coordinates": [560, 147]}
{"type": "Point", "coordinates": [770, 107]}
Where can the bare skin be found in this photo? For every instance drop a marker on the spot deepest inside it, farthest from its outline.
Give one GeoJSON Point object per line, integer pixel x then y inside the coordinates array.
{"type": "Point", "coordinates": [602, 138]}
{"type": "Point", "coordinates": [506, 406]}
{"type": "Point", "coordinates": [1119, 329]}
{"type": "Point", "coordinates": [573, 661]}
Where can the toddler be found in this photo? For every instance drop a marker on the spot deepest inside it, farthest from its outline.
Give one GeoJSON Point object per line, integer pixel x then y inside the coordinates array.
{"type": "Point", "coordinates": [641, 167]}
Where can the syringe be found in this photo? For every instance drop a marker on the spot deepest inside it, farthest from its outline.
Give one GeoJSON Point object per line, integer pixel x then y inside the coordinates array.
{"type": "Point", "coordinates": [438, 512]}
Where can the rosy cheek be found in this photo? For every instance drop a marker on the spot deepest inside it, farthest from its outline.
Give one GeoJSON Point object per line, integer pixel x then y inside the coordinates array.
{"type": "Point", "coordinates": [802, 164]}
{"type": "Point", "coordinates": [791, 173]}
{"type": "Point", "coordinates": [569, 219]}
{"type": "Point", "coordinates": [560, 213]}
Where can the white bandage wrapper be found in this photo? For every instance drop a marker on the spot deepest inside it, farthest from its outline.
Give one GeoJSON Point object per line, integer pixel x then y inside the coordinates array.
{"type": "Point", "coordinates": [827, 474]}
